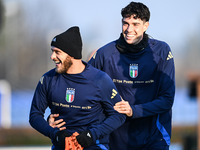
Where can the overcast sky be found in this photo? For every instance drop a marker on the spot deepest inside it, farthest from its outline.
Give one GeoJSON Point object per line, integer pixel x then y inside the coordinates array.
{"type": "Point", "coordinates": [173, 21]}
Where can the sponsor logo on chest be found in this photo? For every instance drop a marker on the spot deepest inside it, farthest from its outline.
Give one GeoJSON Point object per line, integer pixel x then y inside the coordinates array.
{"type": "Point", "coordinates": [70, 94]}
{"type": "Point", "coordinates": [133, 70]}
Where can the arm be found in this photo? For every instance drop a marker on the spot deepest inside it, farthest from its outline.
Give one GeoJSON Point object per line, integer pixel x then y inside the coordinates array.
{"type": "Point", "coordinates": [38, 107]}
{"type": "Point", "coordinates": [109, 96]}
{"type": "Point", "coordinates": [165, 96]}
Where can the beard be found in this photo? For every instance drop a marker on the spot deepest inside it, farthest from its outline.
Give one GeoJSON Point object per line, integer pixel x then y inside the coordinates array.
{"type": "Point", "coordinates": [66, 64]}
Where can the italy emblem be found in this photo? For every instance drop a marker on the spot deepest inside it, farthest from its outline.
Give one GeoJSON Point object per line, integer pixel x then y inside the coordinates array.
{"type": "Point", "coordinates": [70, 93]}
{"type": "Point", "coordinates": [133, 70]}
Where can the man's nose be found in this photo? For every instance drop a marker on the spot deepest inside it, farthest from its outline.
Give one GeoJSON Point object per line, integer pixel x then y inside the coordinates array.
{"type": "Point", "coordinates": [130, 28]}
{"type": "Point", "coordinates": [52, 55]}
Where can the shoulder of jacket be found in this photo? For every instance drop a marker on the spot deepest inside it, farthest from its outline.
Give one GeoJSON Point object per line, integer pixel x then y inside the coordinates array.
{"type": "Point", "coordinates": [107, 49]}
{"type": "Point", "coordinates": [159, 48]}
{"type": "Point", "coordinates": [48, 76]}
{"type": "Point", "coordinates": [50, 73]}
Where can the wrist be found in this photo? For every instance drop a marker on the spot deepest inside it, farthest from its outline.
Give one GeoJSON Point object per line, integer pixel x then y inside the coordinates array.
{"type": "Point", "coordinates": [85, 139]}
{"type": "Point", "coordinates": [60, 138]}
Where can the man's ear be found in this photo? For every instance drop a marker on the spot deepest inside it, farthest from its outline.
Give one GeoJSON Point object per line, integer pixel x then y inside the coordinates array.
{"type": "Point", "coordinates": [146, 25]}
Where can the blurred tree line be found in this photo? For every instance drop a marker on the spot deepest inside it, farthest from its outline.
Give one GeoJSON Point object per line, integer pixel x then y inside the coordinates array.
{"type": "Point", "coordinates": [25, 47]}
{"type": "Point", "coordinates": [1, 14]}
{"type": "Point", "coordinates": [22, 50]}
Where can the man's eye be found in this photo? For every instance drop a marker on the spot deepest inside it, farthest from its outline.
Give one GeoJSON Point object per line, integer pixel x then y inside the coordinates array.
{"type": "Point", "coordinates": [57, 52]}
{"type": "Point", "coordinates": [125, 24]}
{"type": "Point", "coordinates": [136, 24]}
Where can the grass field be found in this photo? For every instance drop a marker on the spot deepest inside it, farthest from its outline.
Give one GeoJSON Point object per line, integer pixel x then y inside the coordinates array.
{"type": "Point", "coordinates": [172, 147]}
{"type": "Point", "coordinates": [27, 148]}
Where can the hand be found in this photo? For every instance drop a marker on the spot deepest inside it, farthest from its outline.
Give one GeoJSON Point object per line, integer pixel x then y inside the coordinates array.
{"type": "Point", "coordinates": [56, 124]}
{"type": "Point", "coordinates": [85, 139]}
{"type": "Point", "coordinates": [60, 138]}
{"type": "Point", "coordinates": [71, 142]}
{"type": "Point", "coordinates": [124, 107]}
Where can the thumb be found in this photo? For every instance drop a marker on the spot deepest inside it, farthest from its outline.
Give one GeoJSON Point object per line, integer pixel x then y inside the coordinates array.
{"type": "Point", "coordinates": [121, 98]}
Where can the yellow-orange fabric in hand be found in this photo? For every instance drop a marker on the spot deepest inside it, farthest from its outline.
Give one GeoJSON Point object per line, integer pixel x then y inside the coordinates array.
{"type": "Point", "coordinates": [71, 143]}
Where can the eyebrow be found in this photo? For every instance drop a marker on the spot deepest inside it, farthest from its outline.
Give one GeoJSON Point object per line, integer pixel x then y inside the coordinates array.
{"type": "Point", "coordinates": [54, 50]}
{"type": "Point", "coordinates": [124, 22]}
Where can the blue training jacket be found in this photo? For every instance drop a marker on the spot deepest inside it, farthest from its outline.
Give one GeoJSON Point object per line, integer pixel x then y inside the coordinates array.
{"type": "Point", "coordinates": [85, 101]}
{"type": "Point", "coordinates": [146, 80]}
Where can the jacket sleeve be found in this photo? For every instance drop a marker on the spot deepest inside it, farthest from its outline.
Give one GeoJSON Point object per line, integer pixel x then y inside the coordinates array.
{"type": "Point", "coordinates": [109, 96]}
{"type": "Point", "coordinates": [38, 107]}
{"type": "Point", "coordinates": [97, 60]}
{"type": "Point", "coordinates": [165, 97]}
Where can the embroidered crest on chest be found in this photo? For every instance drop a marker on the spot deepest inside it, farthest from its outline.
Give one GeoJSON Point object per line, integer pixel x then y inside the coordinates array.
{"type": "Point", "coordinates": [70, 94]}
{"type": "Point", "coordinates": [133, 70]}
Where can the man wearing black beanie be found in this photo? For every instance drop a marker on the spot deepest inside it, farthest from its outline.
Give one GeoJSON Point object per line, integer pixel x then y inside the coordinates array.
{"type": "Point", "coordinates": [81, 95]}
{"type": "Point", "coordinates": [70, 42]}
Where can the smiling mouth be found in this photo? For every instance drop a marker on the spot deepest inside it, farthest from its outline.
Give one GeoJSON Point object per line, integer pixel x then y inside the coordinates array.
{"type": "Point", "coordinates": [57, 62]}
{"type": "Point", "coordinates": [129, 36]}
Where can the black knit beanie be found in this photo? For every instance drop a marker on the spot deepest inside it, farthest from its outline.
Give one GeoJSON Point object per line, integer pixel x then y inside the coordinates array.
{"type": "Point", "coordinates": [69, 42]}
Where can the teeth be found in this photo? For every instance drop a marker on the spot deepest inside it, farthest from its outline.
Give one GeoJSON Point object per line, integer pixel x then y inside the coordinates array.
{"type": "Point", "coordinates": [130, 35]}
{"type": "Point", "coordinates": [57, 62]}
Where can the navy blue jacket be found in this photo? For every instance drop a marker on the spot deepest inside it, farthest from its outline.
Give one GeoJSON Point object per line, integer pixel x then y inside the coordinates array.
{"type": "Point", "coordinates": [146, 80]}
{"type": "Point", "coordinates": [85, 102]}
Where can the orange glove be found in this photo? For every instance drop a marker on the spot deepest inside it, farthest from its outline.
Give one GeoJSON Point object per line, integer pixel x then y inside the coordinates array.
{"type": "Point", "coordinates": [71, 143]}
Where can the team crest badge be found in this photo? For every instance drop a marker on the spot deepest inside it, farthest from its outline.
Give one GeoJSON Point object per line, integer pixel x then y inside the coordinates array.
{"type": "Point", "coordinates": [133, 70]}
{"type": "Point", "coordinates": [70, 93]}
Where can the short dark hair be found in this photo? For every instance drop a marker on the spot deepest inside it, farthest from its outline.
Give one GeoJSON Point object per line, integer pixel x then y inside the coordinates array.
{"type": "Point", "coordinates": [138, 9]}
